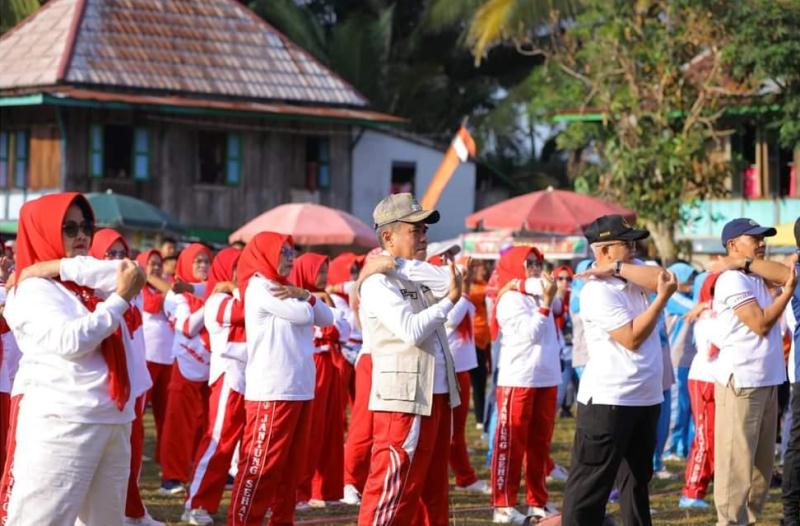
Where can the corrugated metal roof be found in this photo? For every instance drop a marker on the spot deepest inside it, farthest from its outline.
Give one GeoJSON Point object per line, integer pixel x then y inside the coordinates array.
{"type": "Point", "coordinates": [209, 47]}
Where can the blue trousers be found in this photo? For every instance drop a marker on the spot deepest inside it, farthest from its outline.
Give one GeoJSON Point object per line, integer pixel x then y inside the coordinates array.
{"type": "Point", "coordinates": [682, 427]}
{"type": "Point", "coordinates": [662, 430]}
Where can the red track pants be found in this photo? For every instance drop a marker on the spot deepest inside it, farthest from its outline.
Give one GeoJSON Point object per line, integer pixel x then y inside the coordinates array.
{"type": "Point", "coordinates": [271, 461]}
{"type": "Point", "coordinates": [5, 424]}
{"type": "Point", "coordinates": [216, 449]}
{"type": "Point", "coordinates": [408, 479]}
{"type": "Point", "coordinates": [157, 396]}
{"type": "Point", "coordinates": [358, 448]}
{"type": "Point", "coordinates": [323, 479]}
{"type": "Point", "coordinates": [7, 480]}
{"type": "Point", "coordinates": [700, 465]}
{"type": "Point", "coordinates": [525, 420]}
{"type": "Point", "coordinates": [134, 507]}
{"type": "Point", "coordinates": [185, 423]}
{"type": "Point", "coordinates": [459, 457]}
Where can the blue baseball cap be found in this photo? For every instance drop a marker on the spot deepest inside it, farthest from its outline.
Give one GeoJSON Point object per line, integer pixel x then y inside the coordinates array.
{"type": "Point", "coordinates": [743, 226]}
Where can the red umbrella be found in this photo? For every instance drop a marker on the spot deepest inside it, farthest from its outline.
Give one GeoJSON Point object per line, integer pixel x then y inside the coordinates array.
{"type": "Point", "coordinates": [557, 211]}
{"type": "Point", "coordinates": [310, 224]}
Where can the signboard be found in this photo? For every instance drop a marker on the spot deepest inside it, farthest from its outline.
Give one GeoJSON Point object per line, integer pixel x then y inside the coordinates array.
{"type": "Point", "coordinates": [488, 245]}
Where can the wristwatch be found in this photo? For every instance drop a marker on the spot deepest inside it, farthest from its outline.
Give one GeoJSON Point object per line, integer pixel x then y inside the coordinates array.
{"type": "Point", "coordinates": [617, 267]}
{"type": "Point", "coordinates": [746, 266]}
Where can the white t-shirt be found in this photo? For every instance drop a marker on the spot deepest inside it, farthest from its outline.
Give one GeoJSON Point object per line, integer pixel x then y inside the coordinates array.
{"type": "Point", "coordinates": [706, 333]}
{"type": "Point", "coordinates": [461, 345]}
{"type": "Point", "coordinates": [752, 360]}
{"type": "Point", "coordinates": [217, 315]}
{"type": "Point", "coordinates": [280, 348]}
{"type": "Point", "coordinates": [530, 355]}
{"type": "Point", "coordinates": [615, 375]}
{"type": "Point", "coordinates": [791, 323]}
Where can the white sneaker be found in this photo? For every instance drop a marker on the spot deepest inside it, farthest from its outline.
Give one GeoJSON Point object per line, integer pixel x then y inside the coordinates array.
{"type": "Point", "coordinates": [663, 474]}
{"type": "Point", "coordinates": [508, 516]}
{"type": "Point", "coordinates": [548, 510]}
{"type": "Point", "coordinates": [351, 495]}
{"type": "Point", "coordinates": [147, 520]}
{"type": "Point", "coordinates": [479, 426]}
{"type": "Point", "coordinates": [197, 517]}
{"type": "Point", "coordinates": [316, 503]}
{"type": "Point", "coordinates": [558, 473]}
{"type": "Point", "coordinates": [479, 486]}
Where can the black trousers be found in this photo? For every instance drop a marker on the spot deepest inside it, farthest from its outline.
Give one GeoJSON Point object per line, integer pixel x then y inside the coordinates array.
{"type": "Point", "coordinates": [611, 442]}
{"type": "Point", "coordinates": [791, 465]}
{"type": "Point", "coordinates": [478, 378]}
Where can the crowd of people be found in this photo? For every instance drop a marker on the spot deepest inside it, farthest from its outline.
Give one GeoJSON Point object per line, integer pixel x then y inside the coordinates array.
{"type": "Point", "coordinates": [303, 380]}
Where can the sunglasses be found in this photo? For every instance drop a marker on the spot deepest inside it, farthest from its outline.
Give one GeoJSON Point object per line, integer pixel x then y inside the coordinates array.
{"type": "Point", "coordinates": [71, 228]}
{"type": "Point", "coordinates": [116, 254]}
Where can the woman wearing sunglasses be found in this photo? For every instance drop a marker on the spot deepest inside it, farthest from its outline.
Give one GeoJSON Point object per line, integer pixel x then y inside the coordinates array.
{"type": "Point", "coordinates": [78, 404]}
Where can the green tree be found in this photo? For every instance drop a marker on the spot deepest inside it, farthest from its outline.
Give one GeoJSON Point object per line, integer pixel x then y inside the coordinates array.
{"type": "Point", "coordinates": [14, 11]}
{"type": "Point", "coordinates": [657, 74]}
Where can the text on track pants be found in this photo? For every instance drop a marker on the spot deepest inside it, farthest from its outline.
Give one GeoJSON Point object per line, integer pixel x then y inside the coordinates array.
{"type": "Point", "coordinates": [700, 464]}
{"type": "Point", "coordinates": [408, 479]}
{"type": "Point", "coordinates": [271, 462]}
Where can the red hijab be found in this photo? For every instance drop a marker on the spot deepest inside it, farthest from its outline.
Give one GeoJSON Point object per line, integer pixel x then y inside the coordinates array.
{"type": "Point", "coordinates": [184, 272]}
{"type": "Point", "coordinates": [561, 319]}
{"type": "Point", "coordinates": [707, 290]}
{"type": "Point", "coordinates": [222, 268]}
{"type": "Point", "coordinates": [306, 269]}
{"type": "Point", "coordinates": [102, 241]}
{"type": "Point", "coordinates": [153, 300]}
{"type": "Point", "coordinates": [262, 255]}
{"type": "Point", "coordinates": [39, 238]}
{"type": "Point", "coordinates": [511, 266]}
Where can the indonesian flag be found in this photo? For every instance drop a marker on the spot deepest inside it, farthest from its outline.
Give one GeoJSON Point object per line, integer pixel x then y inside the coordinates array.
{"type": "Point", "coordinates": [459, 151]}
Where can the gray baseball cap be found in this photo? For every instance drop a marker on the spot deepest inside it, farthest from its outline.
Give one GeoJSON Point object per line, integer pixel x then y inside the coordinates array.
{"type": "Point", "coordinates": [402, 207]}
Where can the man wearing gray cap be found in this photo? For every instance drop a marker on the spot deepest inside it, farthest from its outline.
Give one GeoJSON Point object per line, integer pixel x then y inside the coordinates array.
{"type": "Point", "coordinates": [413, 379]}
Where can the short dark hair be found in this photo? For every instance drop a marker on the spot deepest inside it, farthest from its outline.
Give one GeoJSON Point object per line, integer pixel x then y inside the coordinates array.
{"type": "Point", "coordinates": [169, 258]}
{"type": "Point", "coordinates": [169, 240]}
{"type": "Point", "coordinates": [797, 232]}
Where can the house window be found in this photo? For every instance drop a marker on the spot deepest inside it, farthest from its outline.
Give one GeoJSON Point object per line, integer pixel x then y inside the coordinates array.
{"type": "Point", "coordinates": [404, 175]}
{"type": "Point", "coordinates": [14, 158]}
{"type": "Point", "coordinates": [219, 157]}
{"type": "Point", "coordinates": [318, 163]}
{"type": "Point", "coordinates": [119, 152]}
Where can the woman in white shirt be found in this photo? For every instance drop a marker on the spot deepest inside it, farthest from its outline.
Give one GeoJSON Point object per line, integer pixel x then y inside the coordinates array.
{"type": "Point", "coordinates": [75, 416]}
{"type": "Point", "coordinates": [187, 404]}
{"type": "Point", "coordinates": [527, 385]}
{"type": "Point", "coordinates": [279, 381]}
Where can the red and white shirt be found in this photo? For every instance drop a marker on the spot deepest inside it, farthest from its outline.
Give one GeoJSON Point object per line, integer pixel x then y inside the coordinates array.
{"type": "Point", "coordinates": [191, 347]}
{"type": "Point", "coordinates": [228, 346]}
{"type": "Point", "coordinates": [462, 344]}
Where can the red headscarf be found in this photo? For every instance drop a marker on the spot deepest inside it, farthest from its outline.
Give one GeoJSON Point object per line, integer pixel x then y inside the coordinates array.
{"type": "Point", "coordinates": [262, 255]}
{"type": "Point", "coordinates": [511, 266]}
{"type": "Point", "coordinates": [102, 241]}
{"type": "Point", "coordinates": [222, 268]}
{"type": "Point", "coordinates": [306, 269]}
{"type": "Point", "coordinates": [153, 300]}
{"type": "Point", "coordinates": [39, 238]}
{"type": "Point", "coordinates": [340, 269]}
{"type": "Point", "coordinates": [561, 319]}
{"type": "Point", "coordinates": [183, 269]}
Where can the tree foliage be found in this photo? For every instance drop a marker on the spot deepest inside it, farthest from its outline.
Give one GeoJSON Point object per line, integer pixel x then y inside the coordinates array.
{"type": "Point", "coordinates": [14, 11]}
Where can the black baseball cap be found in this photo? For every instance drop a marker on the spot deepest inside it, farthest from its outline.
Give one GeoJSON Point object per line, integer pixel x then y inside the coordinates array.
{"type": "Point", "coordinates": [744, 226]}
{"type": "Point", "coordinates": [612, 228]}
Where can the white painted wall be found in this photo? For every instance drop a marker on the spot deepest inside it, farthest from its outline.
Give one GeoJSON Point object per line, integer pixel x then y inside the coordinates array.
{"type": "Point", "coordinates": [373, 156]}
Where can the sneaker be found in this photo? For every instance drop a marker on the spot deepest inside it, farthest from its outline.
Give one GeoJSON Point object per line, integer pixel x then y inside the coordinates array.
{"type": "Point", "coordinates": [479, 486]}
{"type": "Point", "coordinates": [351, 495]}
{"type": "Point", "coordinates": [171, 487]}
{"type": "Point", "coordinates": [663, 474]}
{"type": "Point", "coordinates": [302, 506]}
{"type": "Point", "coordinates": [197, 517]}
{"type": "Point", "coordinates": [147, 520]}
{"type": "Point", "coordinates": [540, 513]}
{"type": "Point", "coordinates": [479, 426]}
{"type": "Point", "coordinates": [316, 503]}
{"type": "Point", "coordinates": [558, 473]}
{"type": "Point", "coordinates": [673, 457]}
{"type": "Point", "coordinates": [508, 516]}
{"type": "Point", "coordinates": [687, 502]}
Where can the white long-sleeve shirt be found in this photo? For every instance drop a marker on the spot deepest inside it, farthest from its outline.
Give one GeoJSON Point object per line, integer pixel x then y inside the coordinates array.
{"type": "Point", "coordinates": [227, 357]}
{"type": "Point", "coordinates": [62, 369]}
{"type": "Point", "coordinates": [190, 351]}
{"type": "Point", "coordinates": [529, 349]}
{"type": "Point", "coordinates": [11, 354]}
{"type": "Point", "coordinates": [159, 337]}
{"type": "Point", "coordinates": [280, 348]}
{"type": "Point", "coordinates": [101, 275]}
{"type": "Point", "coordinates": [463, 348]}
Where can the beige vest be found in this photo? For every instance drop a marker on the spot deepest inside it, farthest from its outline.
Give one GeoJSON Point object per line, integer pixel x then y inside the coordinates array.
{"type": "Point", "coordinates": [402, 374]}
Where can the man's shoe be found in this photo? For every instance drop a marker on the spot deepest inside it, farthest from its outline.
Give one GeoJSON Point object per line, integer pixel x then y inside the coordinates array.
{"type": "Point", "coordinates": [509, 516]}
{"type": "Point", "coordinates": [558, 473]}
{"type": "Point", "coordinates": [197, 517]}
{"type": "Point", "coordinates": [687, 502]}
{"type": "Point", "coordinates": [479, 486]}
{"type": "Point", "coordinates": [147, 520]}
{"type": "Point", "coordinates": [351, 495]}
{"type": "Point", "coordinates": [540, 513]}
{"type": "Point", "coordinates": [171, 487]}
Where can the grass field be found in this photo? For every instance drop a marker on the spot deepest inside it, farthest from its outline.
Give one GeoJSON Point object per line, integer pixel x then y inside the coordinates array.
{"type": "Point", "coordinates": [466, 509]}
